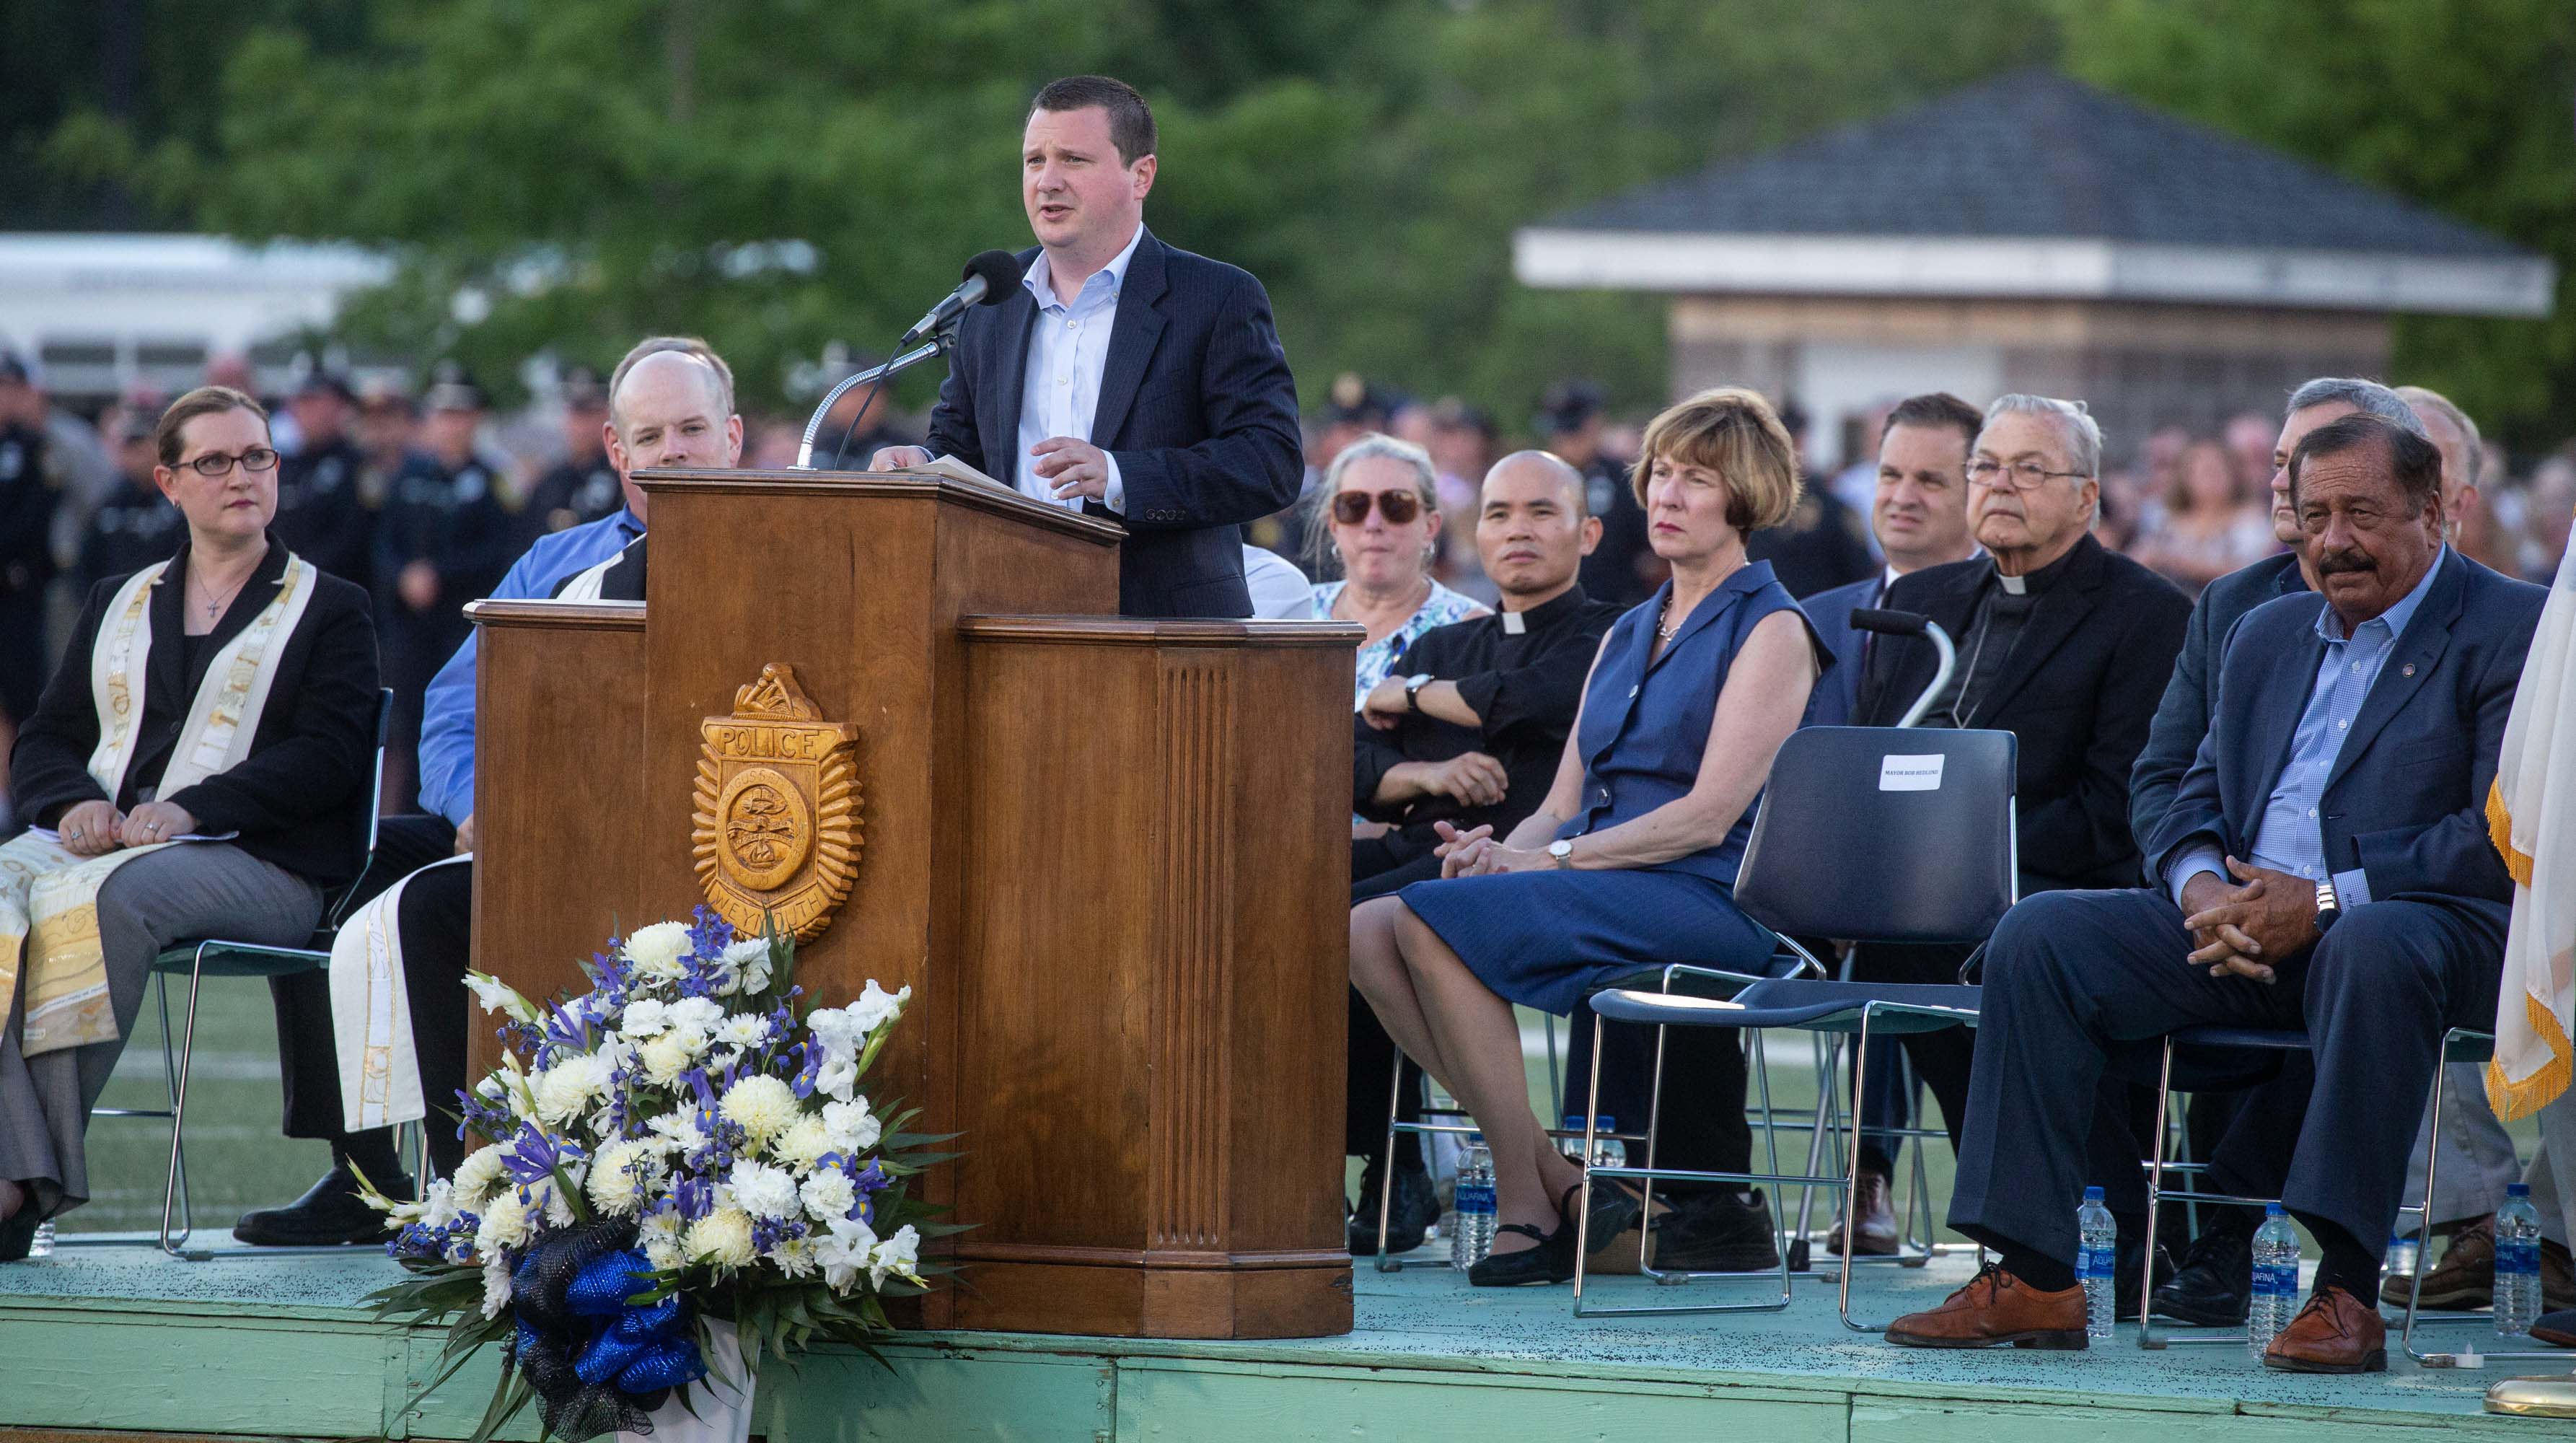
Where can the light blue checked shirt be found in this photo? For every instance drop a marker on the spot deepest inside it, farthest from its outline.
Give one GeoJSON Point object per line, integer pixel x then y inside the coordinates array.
{"type": "Point", "coordinates": [1068, 356]}
{"type": "Point", "coordinates": [2291, 839]}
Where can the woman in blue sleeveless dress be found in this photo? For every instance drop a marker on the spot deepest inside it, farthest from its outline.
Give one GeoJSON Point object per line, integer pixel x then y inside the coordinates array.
{"type": "Point", "coordinates": [1631, 860]}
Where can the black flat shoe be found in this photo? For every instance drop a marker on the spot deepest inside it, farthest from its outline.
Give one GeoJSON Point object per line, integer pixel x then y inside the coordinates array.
{"type": "Point", "coordinates": [18, 1233]}
{"type": "Point", "coordinates": [1552, 1261]}
{"type": "Point", "coordinates": [1614, 1210]}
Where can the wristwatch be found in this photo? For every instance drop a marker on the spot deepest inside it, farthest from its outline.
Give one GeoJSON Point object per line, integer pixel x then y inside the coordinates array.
{"type": "Point", "coordinates": [2329, 908]}
{"type": "Point", "coordinates": [1563, 852]}
{"type": "Point", "coordinates": [1413, 686]}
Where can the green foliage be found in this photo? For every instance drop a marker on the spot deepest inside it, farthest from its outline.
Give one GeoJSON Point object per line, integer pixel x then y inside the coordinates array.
{"type": "Point", "coordinates": [2462, 105]}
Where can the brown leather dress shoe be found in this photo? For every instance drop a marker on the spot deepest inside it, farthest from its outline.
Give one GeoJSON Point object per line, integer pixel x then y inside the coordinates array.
{"type": "Point", "coordinates": [1996, 1307]}
{"type": "Point", "coordinates": [2335, 1333]}
{"type": "Point", "coordinates": [1873, 1220]}
{"type": "Point", "coordinates": [2465, 1278]}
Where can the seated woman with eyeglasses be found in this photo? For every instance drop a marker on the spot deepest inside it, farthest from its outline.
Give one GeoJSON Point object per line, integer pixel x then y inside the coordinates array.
{"type": "Point", "coordinates": [1631, 860]}
{"type": "Point", "coordinates": [197, 768]}
{"type": "Point", "coordinates": [1378, 512]}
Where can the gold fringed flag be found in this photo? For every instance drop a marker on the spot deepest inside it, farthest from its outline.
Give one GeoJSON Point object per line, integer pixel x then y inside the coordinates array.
{"type": "Point", "coordinates": [2531, 816]}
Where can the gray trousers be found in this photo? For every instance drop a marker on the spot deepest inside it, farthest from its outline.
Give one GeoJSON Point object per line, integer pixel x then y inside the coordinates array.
{"type": "Point", "coordinates": [2477, 1155]}
{"type": "Point", "coordinates": [2083, 984]}
{"type": "Point", "coordinates": [187, 893]}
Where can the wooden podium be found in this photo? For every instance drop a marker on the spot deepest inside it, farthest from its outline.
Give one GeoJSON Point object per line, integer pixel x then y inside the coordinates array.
{"type": "Point", "coordinates": [1109, 857]}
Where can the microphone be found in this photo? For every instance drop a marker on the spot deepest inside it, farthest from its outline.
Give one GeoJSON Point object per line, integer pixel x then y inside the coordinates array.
{"type": "Point", "coordinates": [990, 278]}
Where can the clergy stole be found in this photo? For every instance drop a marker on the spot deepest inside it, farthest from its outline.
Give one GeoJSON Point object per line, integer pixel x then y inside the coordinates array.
{"type": "Point", "coordinates": [49, 894]}
{"type": "Point", "coordinates": [371, 1013]}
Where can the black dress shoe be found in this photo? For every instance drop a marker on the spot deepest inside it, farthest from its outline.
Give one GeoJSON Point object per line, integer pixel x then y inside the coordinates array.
{"type": "Point", "coordinates": [2215, 1284]}
{"type": "Point", "coordinates": [18, 1233]}
{"type": "Point", "coordinates": [1715, 1232]}
{"type": "Point", "coordinates": [1410, 1214]}
{"type": "Point", "coordinates": [331, 1211]}
{"type": "Point", "coordinates": [2124, 1282]}
{"type": "Point", "coordinates": [1552, 1261]}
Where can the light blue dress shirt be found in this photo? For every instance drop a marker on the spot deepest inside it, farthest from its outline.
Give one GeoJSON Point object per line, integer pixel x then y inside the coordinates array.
{"type": "Point", "coordinates": [447, 710]}
{"type": "Point", "coordinates": [2290, 837]}
{"type": "Point", "coordinates": [1068, 351]}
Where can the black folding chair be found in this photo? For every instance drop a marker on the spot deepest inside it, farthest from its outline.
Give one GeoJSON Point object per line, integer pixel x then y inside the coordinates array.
{"type": "Point", "coordinates": [198, 961]}
{"type": "Point", "coordinates": [1876, 834]}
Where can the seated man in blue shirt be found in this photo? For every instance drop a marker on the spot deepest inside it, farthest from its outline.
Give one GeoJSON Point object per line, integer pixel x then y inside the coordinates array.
{"type": "Point", "coordinates": [670, 404]}
{"type": "Point", "coordinates": [2324, 867]}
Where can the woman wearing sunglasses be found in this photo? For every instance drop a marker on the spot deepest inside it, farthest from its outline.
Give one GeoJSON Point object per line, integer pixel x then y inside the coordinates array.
{"type": "Point", "coordinates": [1631, 860]}
{"type": "Point", "coordinates": [197, 768]}
{"type": "Point", "coordinates": [1378, 512]}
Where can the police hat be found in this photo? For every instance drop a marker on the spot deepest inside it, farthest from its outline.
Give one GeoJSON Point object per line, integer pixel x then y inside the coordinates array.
{"type": "Point", "coordinates": [1566, 406]}
{"type": "Point", "coordinates": [1356, 403]}
{"type": "Point", "coordinates": [452, 388]}
{"type": "Point", "coordinates": [326, 383]}
{"type": "Point", "coordinates": [583, 390]}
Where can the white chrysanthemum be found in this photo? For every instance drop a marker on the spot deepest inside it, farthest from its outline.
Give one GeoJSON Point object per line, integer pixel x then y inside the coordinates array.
{"type": "Point", "coordinates": [744, 1029]}
{"type": "Point", "coordinates": [567, 1089]}
{"type": "Point", "coordinates": [853, 1128]}
{"type": "Point", "coordinates": [504, 1225]}
{"type": "Point", "coordinates": [677, 1132]}
{"type": "Point", "coordinates": [763, 1191]}
{"type": "Point", "coordinates": [623, 1175]}
{"type": "Point", "coordinates": [499, 996]}
{"type": "Point", "coordinates": [664, 1058]}
{"type": "Point", "coordinates": [558, 1208]}
{"type": "Point", "coordinates": [794, 1257]}
{"type": "Point", "coordinates": [899, 1255]}
{"type": "Point", "coordinates": [828, 1195]}
{"type": "Point", "coordinates": [803, 1144]}
{"type": "Point", "coordinates": [476, 1176]}
{"type": "Point", "coordinates": [876, 1006]}
{"type": "Point", "coordinates": [496, 1285]}
{"type": "Point", "coordinates": [722, 1237]}
{"type": "Point", "coordinates": [698, 1014]}
{"type": "Point", "coordinates": [761, 1105]}
{"type": "Point", "coordinates": [665, 1254]}
{"type": "Point", "coordinates": [845, 1252]}
{"type": "Point", "coordinates": [644, 1017]}
{"type": "Point", "coordinates": [655, 952]}
{"type": "Point", "coordinates": [663, 1236]}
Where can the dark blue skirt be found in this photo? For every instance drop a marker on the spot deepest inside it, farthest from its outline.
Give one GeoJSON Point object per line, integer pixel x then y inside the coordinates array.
{"type": "Point", "coordinates": [1545, 939]}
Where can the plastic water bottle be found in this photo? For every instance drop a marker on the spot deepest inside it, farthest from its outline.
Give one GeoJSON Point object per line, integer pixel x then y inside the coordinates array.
{"type": "Point", "coordinates": [2096, 1257]}
{"type": "Point", "coordinates": [2517, 1263]}
{"type": "Point", "coordinates": [2275, 1297]}
{"type": "Point", "coordinates": [43, 1246]}
{"type": "Point", "coordinates": [1607, 1151]}
{"type": "Point", "coordinates": [1476, 1205]}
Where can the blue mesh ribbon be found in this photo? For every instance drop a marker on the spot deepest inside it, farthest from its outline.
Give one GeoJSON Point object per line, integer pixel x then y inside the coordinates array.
{"type": "Point", "coordinates": [638, 1347]}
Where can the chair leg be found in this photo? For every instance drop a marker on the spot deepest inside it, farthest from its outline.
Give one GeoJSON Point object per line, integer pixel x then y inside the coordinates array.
{"type": "Point", "coordinates": [1386, 1168]}
{"type": "Point", "coordinates": [1851, 1162]}
{"type": "Point", "coordinates": [179, 1114]}
{"type": "Point", "coordinates": [2147, 1337]}
{"type": "Point", "coordinates": [1591, 1112]}
{"type": "Point", "coordinates": [1555, 1073]}
{"type": "Point", "coordinates": [170, 1093]}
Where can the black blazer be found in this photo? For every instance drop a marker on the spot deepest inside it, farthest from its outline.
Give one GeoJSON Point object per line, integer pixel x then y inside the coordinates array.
{"type": "Point", "coordinates": [1195, 402]}
{"type": "Point", "coordinates": [2406, 798]}
{"type": "Point", "coordinates": [2182, 718]}
{"type": "Point", "coordinates": [299, 796]}
{"type": "Point", "coordinates": [2076, 692]}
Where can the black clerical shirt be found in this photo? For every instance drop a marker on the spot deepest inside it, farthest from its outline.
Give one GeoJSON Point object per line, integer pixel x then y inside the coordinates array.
{"type": "Point", "coordinates": [2004, 605]}
{"type": "Point", "coordinates": [1526, 684]}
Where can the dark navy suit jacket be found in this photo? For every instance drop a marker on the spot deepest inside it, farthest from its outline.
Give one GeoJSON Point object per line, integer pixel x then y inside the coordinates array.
{"type": "Point", "coordinates": [1195, 402]}
{"type": "Point", "coordinates": [2182, 718]}
{"type": "Point", "coordinates": [1837, 694]}
{"type": "Point", "coordinates": [2405, 799]}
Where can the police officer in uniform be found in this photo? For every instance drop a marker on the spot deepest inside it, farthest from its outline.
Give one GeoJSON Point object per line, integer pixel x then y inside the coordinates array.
{"type": "Point", "coordinates": [29, 491]}
{"type": "Point", "coordinates": [321, 516]}
{"type": "Point", "coordinates": [136, 526]}
{"type": "Point", "coordinates": [582, 487]}
{"type": "Point", "coordinates": [443, 539]}
{"type": "Point", "coordinates": [1623, 568]}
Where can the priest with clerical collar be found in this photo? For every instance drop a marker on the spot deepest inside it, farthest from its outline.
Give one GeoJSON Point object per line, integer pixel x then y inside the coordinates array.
{"type": "Point", "coordinates": [2062, 642]}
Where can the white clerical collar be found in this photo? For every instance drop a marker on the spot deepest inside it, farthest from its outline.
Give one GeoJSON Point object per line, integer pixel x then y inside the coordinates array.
{"type": "Point", "coordinates": [2017, 585]}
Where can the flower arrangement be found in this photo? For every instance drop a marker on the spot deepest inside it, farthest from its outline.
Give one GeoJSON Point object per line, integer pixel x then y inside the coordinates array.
{"type": "Point", "coordinates": [679, 1157]}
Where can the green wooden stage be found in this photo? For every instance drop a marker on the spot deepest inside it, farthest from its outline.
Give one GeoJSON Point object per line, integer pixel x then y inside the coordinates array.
{"type": "Point", "coordinates": [120, 1339]}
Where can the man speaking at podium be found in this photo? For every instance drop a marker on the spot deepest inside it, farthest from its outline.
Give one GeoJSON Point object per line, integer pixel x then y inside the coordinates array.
{"type": "Point", "coordinates": [1125, 378]}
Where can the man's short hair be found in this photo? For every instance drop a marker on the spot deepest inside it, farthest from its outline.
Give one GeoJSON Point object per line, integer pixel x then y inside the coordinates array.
{"type": "Point", "coordinates": [1131, 120]}
{"type": "Point", "coordinates": [2368, 397]}
{"type": "Point", "coordinates": [1935, 409]}
{"type": "Point", "coordinates": [685, 345]}
{"type": "Point", "coordinates": [2421, 399]}
{"type": "Point", "coordinates": [2415, 462]}
{"type": "Point", "coordinates": [169, 445]}
{"type": "Point", "coordinates": [1735, 433]}
{"type": "Point", "coordinates": [2083, 433]}
{"type": "Point", "coordinates": [1557, 466]}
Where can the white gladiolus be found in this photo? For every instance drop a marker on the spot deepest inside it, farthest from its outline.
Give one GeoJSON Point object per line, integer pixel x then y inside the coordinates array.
{"type": "Point", "coordinates": [763, 1191]}
{"type": "Point", "coordinates": [505, 1223]}
{"type": "Point", "coordinates": [744, 966]}
{"type": "Point", "coordinates": [498, 996]}
{"type": "Point", "coordinates": [496, 1285]}
{"type": "Point", "coordinates": [722, 1237]}
{"type": "Point", "coordinates": [623, 1175]}
{"type": "Point", "coordinates": [803, 1144]}
{"type": "Point", "coordinates": [761, 1105]}
{"type": "Point", "coordinates": [876, 1006]}
{"type": "Point", "coordinates": [853, 1128]}
{"type": "Point", "coordinates": [828, 1195]}
{"type": "Point", "coordinates": [438, 1204]}
{"type": "Point", "coordinates": [899, 1255]}
{"type": "Point", "coordinates": [476, 1176]}
{"type": "Point", "coordinates": [845, 1252]}
{"type": "Point", "coordinates": [644, 1017]}
{"type": "Point", "coordinates": [655, 952]}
